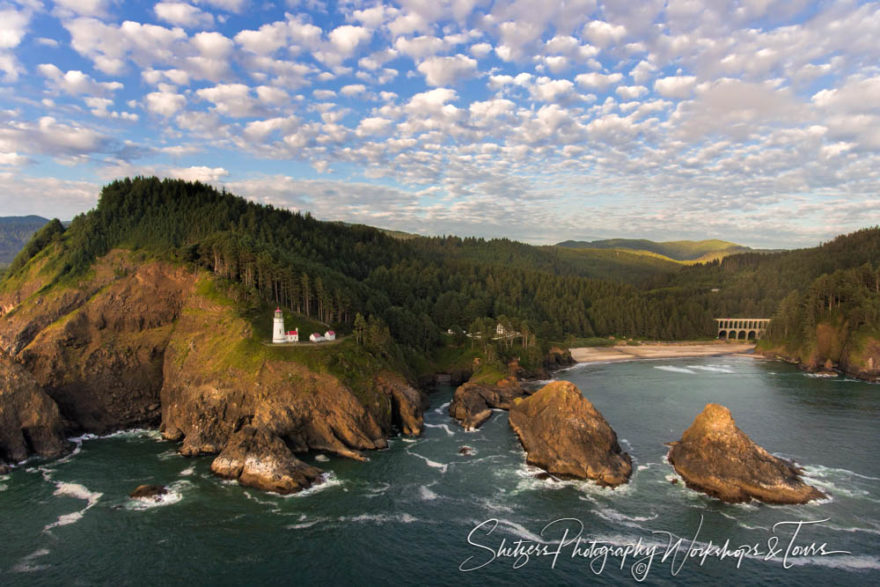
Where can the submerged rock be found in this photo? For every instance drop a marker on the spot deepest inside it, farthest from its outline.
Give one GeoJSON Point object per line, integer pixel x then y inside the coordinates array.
{"type": "Point", "coordinates": [259, 459]}
{"type": "Point", "coordinates": [716, 457]}
{"type": "Point", "coordinates": [473, 402]}
{"type": "Point", "coordinates": [30, 422]}
{"type": "Point", "coordinates": [148, 492]}
{"type": "Point", "coordinates": [566, 436]}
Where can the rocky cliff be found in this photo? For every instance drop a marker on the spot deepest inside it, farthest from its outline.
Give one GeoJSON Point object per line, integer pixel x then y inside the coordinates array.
{"type": "Point", "coordinates": [148, 343]}
{"type": "Point", "coordinates": [30, 422]}
{"type": "Point", "coordinates": [565, 435]}
{"type": "Point", "coordinates": [716, 457]}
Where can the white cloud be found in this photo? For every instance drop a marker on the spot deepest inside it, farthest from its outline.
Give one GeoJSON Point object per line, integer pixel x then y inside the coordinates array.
{"type": "Point", "coordinates": [83, 7]}
{"type": "Point", "coordinates": [182, 14]}
{"type": "Point", "coordinates": [676, 86]}
{"type": "Point", "coordinates": [552, 90]}
{"type": "Point", "coordinates": [444, 71]}
{"type": "Point", "coordinates": [165, 102]}
{"type": "Point", "coordinates": [480, 50]}
{"type": "Point", "coordinates": [75, 82]}
{"type": "Point", "coordinates": [603, 34]}
{"type": "Point", "coordinates": [199, 173]}
{"type": "Point", "coordinates": [598, 81]}
{"type": "Point", "coordinates": [373, 126]}
{"type": "Point", "coordinates": [352, 90]}
{"type": "Point", "coordinates": [230, 100]}
{"type": "Point", "coordinates": [13, 27]}
{"type": "Point", "coordinates": [346, 38]}
{"type": "Point", "coordinates": [419, 47]}
{"type": "Point", "coordinates": [631, 92]}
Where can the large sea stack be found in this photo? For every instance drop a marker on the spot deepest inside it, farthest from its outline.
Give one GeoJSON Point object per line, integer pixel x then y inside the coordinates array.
{"type": "Point", "coordinates": [565, 435]}
{"type": "Point", "coordinates": [716, 457]}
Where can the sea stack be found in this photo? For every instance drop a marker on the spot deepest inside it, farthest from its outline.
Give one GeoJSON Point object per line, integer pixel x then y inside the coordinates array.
{"type": "Point", "coordinates": [472, 403]}
{"type": "Point", "coordinates": [566, 436]}
{"type": "Point", "coordinates": [716, 457]}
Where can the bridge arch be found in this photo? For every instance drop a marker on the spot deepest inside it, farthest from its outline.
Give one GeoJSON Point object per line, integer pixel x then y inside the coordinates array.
{"type": "Point", "coordinates": [741, 328]}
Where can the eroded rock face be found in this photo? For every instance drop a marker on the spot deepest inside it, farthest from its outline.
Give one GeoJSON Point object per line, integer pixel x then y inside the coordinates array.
{"type": "Point", "coordinates": [30, 422]}
{"type": "Point", "coordinates": [472, 403]}
{"type": "Point", "coordinates": [566, 436]}
{"type": "Point", "coordinates": [100, 352]}
{"type": "Point", "coordinates": [408, 404]}
{"type": "Point", "coordinates": [257, 458]}
{"type": "Point", "coordinates": [716, 457]}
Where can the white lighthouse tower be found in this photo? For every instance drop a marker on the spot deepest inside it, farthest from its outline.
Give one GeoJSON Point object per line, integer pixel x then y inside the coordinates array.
{"type": "Point", "coordinates": [278, 335]}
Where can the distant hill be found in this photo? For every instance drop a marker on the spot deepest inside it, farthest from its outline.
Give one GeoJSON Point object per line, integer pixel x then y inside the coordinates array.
{"type": "Point", "coordinates": [683, 251]}
{"type": "Point", "coordinates": [15, 232]}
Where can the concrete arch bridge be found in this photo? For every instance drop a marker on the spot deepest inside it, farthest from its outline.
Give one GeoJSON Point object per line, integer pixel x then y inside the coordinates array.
{"type": "Point", "coordinates": [741, 328]}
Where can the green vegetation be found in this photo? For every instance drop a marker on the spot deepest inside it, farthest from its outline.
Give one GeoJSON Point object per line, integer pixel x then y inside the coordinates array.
{"type": "Point", "coordinates": [836, 315]}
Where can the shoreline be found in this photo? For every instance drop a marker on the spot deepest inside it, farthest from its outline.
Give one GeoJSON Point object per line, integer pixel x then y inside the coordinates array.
{"type": "Point", "coordinates": [660, 350]}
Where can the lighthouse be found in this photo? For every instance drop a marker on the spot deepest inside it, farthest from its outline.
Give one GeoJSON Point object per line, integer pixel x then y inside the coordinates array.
{"type": "Point", "coordinates": [278, 335]}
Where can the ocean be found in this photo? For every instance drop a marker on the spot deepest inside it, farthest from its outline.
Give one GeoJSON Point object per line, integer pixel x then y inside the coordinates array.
{"type": "Point", "coordinates": [421, 512]}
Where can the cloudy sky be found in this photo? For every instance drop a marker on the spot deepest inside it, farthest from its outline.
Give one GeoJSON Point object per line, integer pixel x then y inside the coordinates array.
{"type": "Point", "coordinates": [756, 121]}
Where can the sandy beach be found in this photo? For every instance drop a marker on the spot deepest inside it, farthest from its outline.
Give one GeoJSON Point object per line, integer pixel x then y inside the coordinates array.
{"type": "Point", "coordinates": [657, 351]}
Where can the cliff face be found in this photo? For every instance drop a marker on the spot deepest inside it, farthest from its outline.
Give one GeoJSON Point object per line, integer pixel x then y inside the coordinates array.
{"type": "Point", "coordinates": [143, 343]}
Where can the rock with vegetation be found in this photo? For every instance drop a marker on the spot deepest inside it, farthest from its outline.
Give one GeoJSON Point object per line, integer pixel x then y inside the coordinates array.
{"type": "Point", "coordinates": [473, 402]}
{"type": "Point", "coordinates": [30, 422]}
{"type": "Point", "coordinates": [716, 457]}
{"type": "Point", "coordinates": [257, 458]}
{"type": "Point", "coordinates": [566, 436]}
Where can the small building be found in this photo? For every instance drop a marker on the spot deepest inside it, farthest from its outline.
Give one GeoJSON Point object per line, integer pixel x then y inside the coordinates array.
{"type": "Point", "coordinates": [316, 337]}
{"type": "Point", "coordinates": [500, 330]}
{"type": "Point", "coordinates": [293, 335]}
{"type": "Point", "coordinates": [329, 335]}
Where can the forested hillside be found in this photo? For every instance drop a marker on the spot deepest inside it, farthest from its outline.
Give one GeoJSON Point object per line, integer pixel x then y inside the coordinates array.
{"type": "Point", "coordinates": [421, 287]}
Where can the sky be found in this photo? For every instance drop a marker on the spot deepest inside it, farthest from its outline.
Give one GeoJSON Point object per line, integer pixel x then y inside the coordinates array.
{"type": "Point", "coordinates": [754, 121]}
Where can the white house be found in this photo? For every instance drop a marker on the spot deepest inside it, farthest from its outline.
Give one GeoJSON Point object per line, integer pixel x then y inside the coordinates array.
{"type": "Point", "coordinates": [293, 335]}
{"type": "Point", "coordinates": [330, 335]}
{"type": "Point", "coordinates": [316, 337]}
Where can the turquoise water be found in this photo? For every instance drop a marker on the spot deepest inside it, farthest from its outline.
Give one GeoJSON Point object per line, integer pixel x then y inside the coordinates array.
{"type": "Point", "coordinates": [405, 516]}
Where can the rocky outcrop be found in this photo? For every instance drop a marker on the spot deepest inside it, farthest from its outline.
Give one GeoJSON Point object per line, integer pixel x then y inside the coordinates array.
{"type": "Point", "coordinates": [472, 403]}
{"type": "Point", "coordinates": [557, 358]}
{"type": "Point", "coordinates": [30, 422]}
{"type": "Point", "coordinates": [716, 457]}
{"type": "Point", "coordinates": [566, 436]}
{"type": "Point", "coordinates": [257, 458]}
